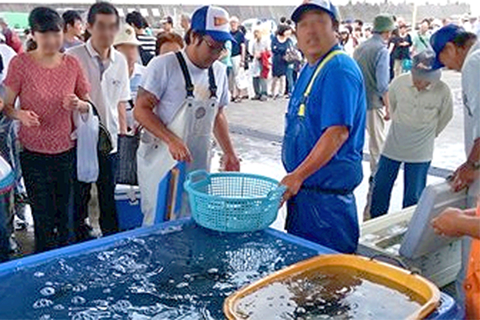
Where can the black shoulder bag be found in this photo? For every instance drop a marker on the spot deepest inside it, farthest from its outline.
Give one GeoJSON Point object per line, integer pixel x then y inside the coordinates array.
{"type": "Point", "coordinates": [105, 144]}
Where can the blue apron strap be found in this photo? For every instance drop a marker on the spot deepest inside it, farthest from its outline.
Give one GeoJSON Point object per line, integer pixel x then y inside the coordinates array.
{"type": "Point", "coordinates": [186, 75]}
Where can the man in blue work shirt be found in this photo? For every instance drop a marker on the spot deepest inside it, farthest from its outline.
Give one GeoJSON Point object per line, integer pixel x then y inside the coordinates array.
{"type": "Point", "coordinates": [324, 135]}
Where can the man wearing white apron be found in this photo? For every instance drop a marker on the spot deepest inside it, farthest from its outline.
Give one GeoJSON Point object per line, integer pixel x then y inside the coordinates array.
{"type": "Point", "coordinates": [179, 103]}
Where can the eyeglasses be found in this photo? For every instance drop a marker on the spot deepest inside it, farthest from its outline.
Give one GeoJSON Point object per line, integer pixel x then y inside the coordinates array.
{"type": "Point", "coordinates": [213, 47]}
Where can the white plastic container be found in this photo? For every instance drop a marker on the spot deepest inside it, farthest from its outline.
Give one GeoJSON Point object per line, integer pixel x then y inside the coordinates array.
{"type": "Point", "coordinates": [420, 238]}
{"type": "Point", "coordinates": [384, 235]}
{"type": "Point", "coordinates": [408, 235]}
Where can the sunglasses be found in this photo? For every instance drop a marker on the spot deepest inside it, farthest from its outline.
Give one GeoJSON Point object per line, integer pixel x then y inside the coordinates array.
{"type": "Point", "coordinates": [214, 47]}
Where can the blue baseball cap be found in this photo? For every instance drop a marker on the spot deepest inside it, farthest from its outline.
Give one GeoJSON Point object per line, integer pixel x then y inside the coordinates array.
{"type": "Point", "coordinates": [307, 5]}
{"type": "Point", "coordinates": [213, 21]}
{"type": "Point", "coordinates": [440, 39]}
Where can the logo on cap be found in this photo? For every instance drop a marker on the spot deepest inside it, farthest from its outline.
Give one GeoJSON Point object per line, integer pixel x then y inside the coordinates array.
{"type": "Point", "coordinates": [128, 31]}
{"type": "Point", "coordinates": [220, 21]}
{"type": "Point", "coordinates": [423, 66]}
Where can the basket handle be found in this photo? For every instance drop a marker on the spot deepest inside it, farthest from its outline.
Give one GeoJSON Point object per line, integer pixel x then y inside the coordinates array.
{"type": "Point", "coordinates": [277, 192]}
{"type": "Point", "coordinates": [197, 175]}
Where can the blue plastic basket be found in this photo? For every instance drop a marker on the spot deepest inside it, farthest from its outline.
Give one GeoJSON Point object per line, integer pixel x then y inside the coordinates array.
{"type": "Point", "coordinates": [233, 202]}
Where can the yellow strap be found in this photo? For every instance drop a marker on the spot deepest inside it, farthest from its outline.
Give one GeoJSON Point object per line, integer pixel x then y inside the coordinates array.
{"type": "Point", "coordinates": [331, 55]}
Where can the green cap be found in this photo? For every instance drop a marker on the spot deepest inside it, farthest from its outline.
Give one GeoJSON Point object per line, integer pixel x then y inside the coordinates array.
{"type": "Point", "coordinates": [383, 23]}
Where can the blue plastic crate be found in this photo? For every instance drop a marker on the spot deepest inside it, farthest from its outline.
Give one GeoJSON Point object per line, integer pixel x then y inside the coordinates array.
{"type": "Point", "coordinates": [180, 248]}
{"type": "Point", "coordinates": [98, 278]}
{"type": "Point", "coordinates": [129, 212]}
{"type": "Point", "coordinates": [448, 309]}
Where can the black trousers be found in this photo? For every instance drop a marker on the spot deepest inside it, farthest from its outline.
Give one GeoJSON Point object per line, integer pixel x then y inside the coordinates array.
{"type": "Point", "coordinates": [6, 222]}
{"type": "Point", "coordinates": [106, 198]}
{"type": "Point", "coordinates": [48, 179]}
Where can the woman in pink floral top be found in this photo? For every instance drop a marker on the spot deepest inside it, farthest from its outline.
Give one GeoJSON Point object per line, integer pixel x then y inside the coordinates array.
{"type": "Point", "coordinates": [50, 87]}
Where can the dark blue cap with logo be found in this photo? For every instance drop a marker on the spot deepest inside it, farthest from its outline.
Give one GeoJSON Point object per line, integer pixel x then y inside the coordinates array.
{"type": "Point", "coordinates": [440, 39]}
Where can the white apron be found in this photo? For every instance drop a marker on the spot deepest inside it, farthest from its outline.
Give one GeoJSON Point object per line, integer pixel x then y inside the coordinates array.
{"type": "Point", "coordinates": [193, 123]}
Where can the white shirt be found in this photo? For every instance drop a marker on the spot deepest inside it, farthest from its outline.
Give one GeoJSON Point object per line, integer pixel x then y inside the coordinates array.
{"type": "Point", "coordinates": [7, 54]}
{"type": "Point", "coordinates": [471, 96]}
{"type": "Point", "coordinates": [349, 47]}
{"type": "Point", "coordinates": [164, 79]}
{"type": "Point", "coordinates": [471, 101]}
{"type": "Point", "coordinates": [109, 89]}
{"type": "Point", "coordinates": [257, 48]}
{"type": "Point", "coordinates": [468, 27]}
{"type": "Point", "coordinates": [135, 81]}
{"type": "Point", "coordinates": [477, 28]}
{"type": "Point", "coordinates": [418, 117]}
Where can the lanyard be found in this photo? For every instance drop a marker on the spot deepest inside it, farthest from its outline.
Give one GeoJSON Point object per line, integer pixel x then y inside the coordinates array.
{"type": "Point", "coordinates": [306, 94]}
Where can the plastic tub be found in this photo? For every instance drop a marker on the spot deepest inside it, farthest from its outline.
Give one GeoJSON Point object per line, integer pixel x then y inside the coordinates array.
{"type": "Point", "coordinates": [388, 275]}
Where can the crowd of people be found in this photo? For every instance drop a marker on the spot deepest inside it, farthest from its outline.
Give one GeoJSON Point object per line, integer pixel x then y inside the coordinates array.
{"type": "Point", "coordinates": [342, 79]}
{"type": "Point", "coordinates": [69, 65]}
{"type": "Point", "coordinates": [105, 62]}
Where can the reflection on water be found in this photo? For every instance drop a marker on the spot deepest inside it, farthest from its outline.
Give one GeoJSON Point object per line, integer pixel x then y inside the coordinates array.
{"type": "Point", "coordinates": [178, 273]}
{"type": "Point", "coordinates": [337, 294]}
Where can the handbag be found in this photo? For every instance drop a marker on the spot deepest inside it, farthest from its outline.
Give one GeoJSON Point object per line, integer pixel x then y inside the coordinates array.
{"type": "Point", "coordinates": [105, 144]}
{"type": "Point", "coordinates": [241, 80]}
{"type": "Point", "coordinates": [292, 54]}
{"type": "Point", "coordinates": [127, 158]}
